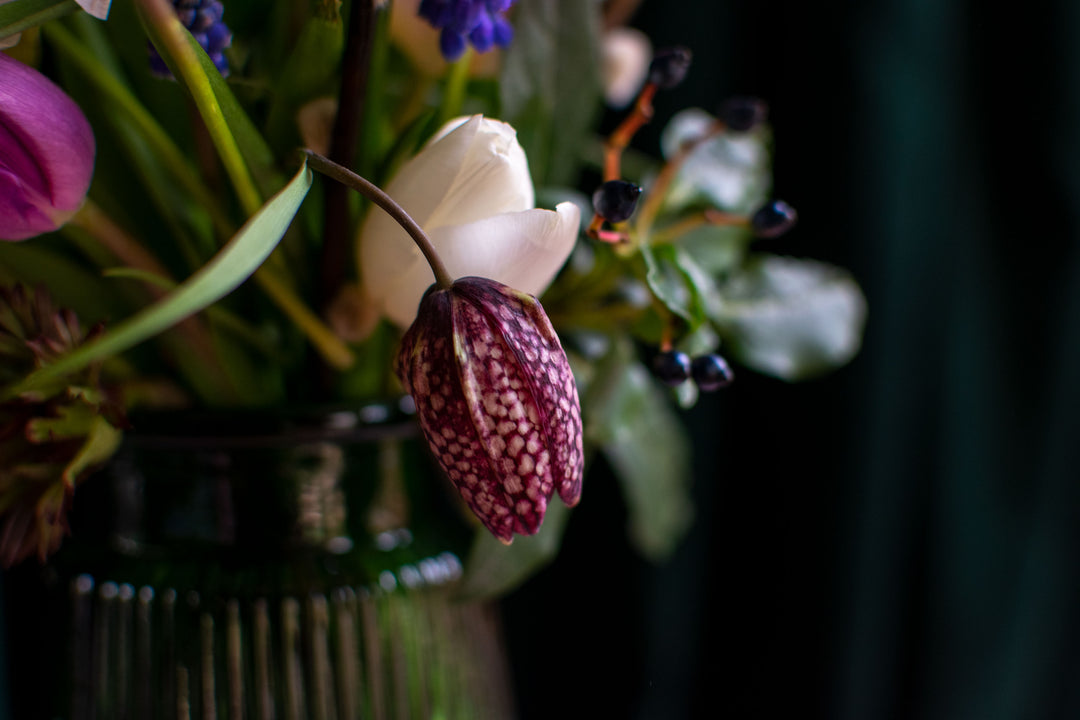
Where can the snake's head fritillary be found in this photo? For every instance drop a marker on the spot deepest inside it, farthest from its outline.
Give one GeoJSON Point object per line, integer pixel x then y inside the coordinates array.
{"type": "Point", "coordinates": [496, 400]}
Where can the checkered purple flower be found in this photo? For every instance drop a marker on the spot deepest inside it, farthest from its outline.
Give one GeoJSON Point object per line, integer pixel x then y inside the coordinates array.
{"type": "Point", "coordinates": [463, 22]}
{"type": "Point", "coordinates": [496, 400]}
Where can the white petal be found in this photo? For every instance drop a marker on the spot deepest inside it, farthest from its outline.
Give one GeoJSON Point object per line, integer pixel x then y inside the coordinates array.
{"type": "Point", "coordinates": [97, 8]}
{"type": "Point", "coordinates": [523, 250]}
{"type": "Point", "coordinates": [473, 168]}
{"type": "Point", "coordinates": [422, 182]}
{"type": "Point", "coordinates": [494, 178]}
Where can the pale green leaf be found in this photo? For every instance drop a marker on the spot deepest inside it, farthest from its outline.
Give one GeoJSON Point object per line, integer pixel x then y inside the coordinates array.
{"type": "Point", "coordinates": [730, 171]}
{"type": "Point", "coordinates": [792, 318]}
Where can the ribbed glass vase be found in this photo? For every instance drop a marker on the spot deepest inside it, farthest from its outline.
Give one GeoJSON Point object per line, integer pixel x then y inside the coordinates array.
{"type": "Point", "coordinates": [260, 565]}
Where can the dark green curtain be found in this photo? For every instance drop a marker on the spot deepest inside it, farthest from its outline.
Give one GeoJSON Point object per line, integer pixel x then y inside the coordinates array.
{"type": "Point", "coordinates": [900, 539]}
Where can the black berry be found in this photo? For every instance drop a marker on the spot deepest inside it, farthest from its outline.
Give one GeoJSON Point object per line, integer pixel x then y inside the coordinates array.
{"type": "Point", "coordinates": [743, 113]}
{"type": "Point", "coordinates": [774, 219]}
{"type": "Point", "coordinates": [616, 200]}
{"type": "Point", "coordinates": [669, 67]}
{"type": "Point", "coordinates": [672, 367]}
{"type": "Point", "coordinates": [711, 372]}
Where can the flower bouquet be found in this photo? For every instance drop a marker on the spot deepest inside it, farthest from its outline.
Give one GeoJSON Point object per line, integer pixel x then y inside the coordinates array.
{"type": "Point", "coordinates": [252, 204]}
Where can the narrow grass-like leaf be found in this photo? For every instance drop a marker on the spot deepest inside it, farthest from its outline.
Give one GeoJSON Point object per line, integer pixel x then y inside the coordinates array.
{"type": "Point", "coordinates": [226, 320]}
{"type": "Point", "coordinates": [240, 257]}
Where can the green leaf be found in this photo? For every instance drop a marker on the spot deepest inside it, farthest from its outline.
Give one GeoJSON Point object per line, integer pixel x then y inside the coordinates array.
{"type": "Point", "coordinates": [493, 569]}
{"type": "Point", "coordinates": [792, 318]}
{"type": "Point", "coordinates": [730, 171]}
{"type": "Point", "coordinates": [630, 418]}
{"type": "Point", "coordinates": [550, 84]}
{"type": "Point", "coordinates": [717, 249]}
{"type": "Point", "coordinates": [240, 257]}
{"type": "Point", "coordinates": [18, 16]}
{"type": "Point", "coordinates": [679, 283]}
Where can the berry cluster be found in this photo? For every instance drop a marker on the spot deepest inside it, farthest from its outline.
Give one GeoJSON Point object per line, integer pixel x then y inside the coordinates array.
{"type": "Point", "coordinates": [463, 22]}
{"type": "Point", "coordinates": [203, 19]}
{"type": "Point", "coordinates": [709, 372]}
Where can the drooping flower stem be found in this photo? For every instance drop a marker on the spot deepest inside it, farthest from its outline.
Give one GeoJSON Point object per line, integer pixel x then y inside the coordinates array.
{"type": "Point", "coordinates": [356, 63]}
{"type": "Point", "coordinates": [373, 193]}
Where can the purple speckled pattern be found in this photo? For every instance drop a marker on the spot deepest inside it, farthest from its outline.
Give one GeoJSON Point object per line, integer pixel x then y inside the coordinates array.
{"type": "Point", "coordinates": [496, 400]}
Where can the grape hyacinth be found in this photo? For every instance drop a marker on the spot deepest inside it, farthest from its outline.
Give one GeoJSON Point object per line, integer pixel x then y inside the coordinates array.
{"type": "Point", "coordinates": [202, 18]}
{"type": "Point", "coordinates": [476, 22]}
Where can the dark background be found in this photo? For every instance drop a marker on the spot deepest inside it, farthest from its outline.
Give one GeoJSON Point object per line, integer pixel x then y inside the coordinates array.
{"type": "Point", "coordinates": [901, 538]}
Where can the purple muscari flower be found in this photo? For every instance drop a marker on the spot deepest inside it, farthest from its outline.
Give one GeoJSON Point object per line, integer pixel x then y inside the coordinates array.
{"type": "Point", "coordinates": [202, 18]}
{"type": "Point", "coordinates": [496, 400]}
{"type": "Point", "coordinates": [46, 153]}
{"type": "Point", "coordinates": [479, 22]}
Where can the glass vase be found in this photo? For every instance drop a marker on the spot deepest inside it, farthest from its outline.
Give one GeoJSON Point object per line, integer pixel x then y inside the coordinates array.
{"type": "Point", "coordinates": [259, 565]}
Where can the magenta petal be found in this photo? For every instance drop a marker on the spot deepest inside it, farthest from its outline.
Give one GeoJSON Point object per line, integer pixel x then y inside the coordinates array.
{"type": "Point", "coordinates": [46, 152]}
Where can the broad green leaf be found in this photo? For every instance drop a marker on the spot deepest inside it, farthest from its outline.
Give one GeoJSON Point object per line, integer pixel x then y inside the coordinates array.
{"type": "Point", "coordinates": [24, 14]}
{"type": "Point", "coordinates": [678, 282]}
{"type": "Point", "coordinates": [717, 249]}
{"type": "Point", "coordinates": [493, 569]}
{"type": "Point", "coordinates": [730, 171]}
{"type": "Point", "coordinates": [550, 84]}
{"type": "Point", "coordinates": [628, 416]}
{"type": "Point", "coordinates": [791, 318]}
{"type": "Point", "coordinates": [240, 257]}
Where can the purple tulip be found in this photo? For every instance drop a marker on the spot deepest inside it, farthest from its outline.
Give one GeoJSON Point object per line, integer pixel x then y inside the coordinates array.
{"type": "Point", "coordinates": [46, 153]}
{"type": "Point", "coordinates": [496, 400]}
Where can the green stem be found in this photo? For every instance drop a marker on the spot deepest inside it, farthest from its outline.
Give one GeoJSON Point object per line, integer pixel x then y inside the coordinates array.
{"type": "Point", "coordinates": [173, 36]}
{"type": "Point", "coordinates": [376, 195]}
{"type": "Point", "coordinates": [457, 81]}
